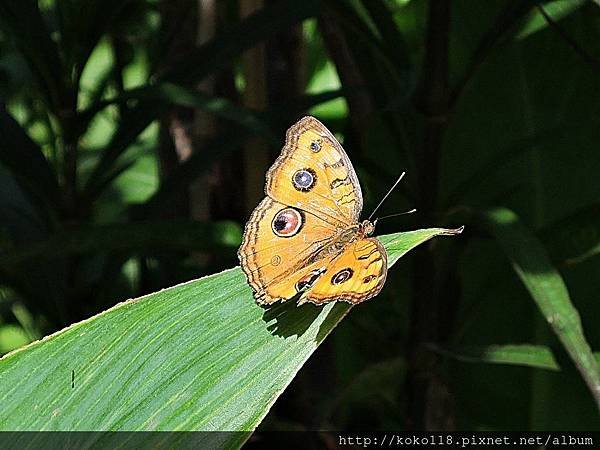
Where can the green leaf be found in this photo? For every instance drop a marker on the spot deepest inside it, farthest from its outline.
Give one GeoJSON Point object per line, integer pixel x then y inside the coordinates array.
{"type": "Point", "coordinates": [198, 356]}
{"type": "Point", "coordinates": [536, 356]}
{"type": "Point", "coordinates": [547, 288]}
{"type": "Point", "coordinates": [11, 337]}
{"type": "Point", "coordinates": [397, 248]}
{"type": "Point", "coordinates": [557, 9]}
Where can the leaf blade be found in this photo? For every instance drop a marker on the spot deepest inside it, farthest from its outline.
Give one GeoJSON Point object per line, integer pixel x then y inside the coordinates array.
{"type": "Point", "coordinates": [200, 355]}
{"type": "Point", "coordinates": [534, 356]}
{"type": "Point", "coordinates": [547, 288]}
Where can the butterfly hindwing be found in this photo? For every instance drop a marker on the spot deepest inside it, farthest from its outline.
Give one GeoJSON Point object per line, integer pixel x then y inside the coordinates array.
{"type": "Point", "coordinates": [356, 275]}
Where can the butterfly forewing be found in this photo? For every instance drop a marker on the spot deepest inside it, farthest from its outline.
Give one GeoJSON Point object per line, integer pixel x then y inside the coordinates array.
{"type": "Point", "coordinates": [278, 241]}
{"type": "Point", "coordinates": [314, 173]}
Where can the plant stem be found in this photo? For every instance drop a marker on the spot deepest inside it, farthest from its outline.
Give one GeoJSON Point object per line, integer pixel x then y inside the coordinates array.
{"type": "Point", "coordinates": [426, 392]}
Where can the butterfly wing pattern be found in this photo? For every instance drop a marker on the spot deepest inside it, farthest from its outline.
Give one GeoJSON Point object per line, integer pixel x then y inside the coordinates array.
{"type": "Point", "coordinates": [269, 259]}
{"type": "Point", "coordinates": [312, 153]}
{"type": "Point", "coordinates": [356, 275]}
{"type": "Point", "coordinates": [303, 240]}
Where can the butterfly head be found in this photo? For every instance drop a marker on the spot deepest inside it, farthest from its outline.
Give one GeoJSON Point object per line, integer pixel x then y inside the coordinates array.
{"type": "Point", "coordinates": [366, 228]}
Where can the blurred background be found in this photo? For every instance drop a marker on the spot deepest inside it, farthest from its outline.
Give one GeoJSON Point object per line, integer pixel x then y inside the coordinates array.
{"type": "Point", "coordinates": [135, 136]}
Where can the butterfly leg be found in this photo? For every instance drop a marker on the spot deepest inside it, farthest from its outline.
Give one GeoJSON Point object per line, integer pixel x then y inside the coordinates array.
{"type": "Point", "coordinates": [304, 285]}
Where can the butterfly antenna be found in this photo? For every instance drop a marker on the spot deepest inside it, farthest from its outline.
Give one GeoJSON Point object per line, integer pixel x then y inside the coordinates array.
{"type": "Point", "coordinates": [387, 195]}
{"type": "Point", "coordinates": [397, 214]}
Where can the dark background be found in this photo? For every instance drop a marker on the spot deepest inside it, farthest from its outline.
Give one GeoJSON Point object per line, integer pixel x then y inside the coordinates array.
{"type": "Point", "coordinates": [135, 134]}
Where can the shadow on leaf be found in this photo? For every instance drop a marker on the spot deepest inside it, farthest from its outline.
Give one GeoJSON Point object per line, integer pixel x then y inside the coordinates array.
{"type": "Point", "coordinates": [288, 319]}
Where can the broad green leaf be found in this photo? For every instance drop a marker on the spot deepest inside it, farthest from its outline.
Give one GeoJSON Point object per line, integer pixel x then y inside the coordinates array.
{"type": "Point", "coordinates": [198, 356]}
{"type": "Point", "coordinates": [397, 248]}
{"type": "Point", "coordinates": [536, 356]}
{"type": "Point", "coordinates": [547, 288]}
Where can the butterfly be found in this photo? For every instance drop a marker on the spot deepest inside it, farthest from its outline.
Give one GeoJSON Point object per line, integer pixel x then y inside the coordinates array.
{"type": "Point", "coordinates": [304, 240]}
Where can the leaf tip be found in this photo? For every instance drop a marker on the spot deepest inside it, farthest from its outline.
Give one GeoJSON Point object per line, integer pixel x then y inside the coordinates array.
{"type": "Point", "coordinates": [453, 231]}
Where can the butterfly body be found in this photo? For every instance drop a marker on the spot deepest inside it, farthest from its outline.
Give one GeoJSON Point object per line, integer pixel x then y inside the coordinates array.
{"type": "Point", "coordinates": [304, 239]}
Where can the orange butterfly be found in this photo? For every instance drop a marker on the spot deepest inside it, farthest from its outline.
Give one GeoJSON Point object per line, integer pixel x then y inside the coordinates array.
{"type": "Point", "coordinates": [304, 239]}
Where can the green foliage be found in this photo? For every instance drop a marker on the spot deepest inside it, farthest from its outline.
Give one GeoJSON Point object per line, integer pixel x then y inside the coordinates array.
{"type": "Point", "coordinates": [536, 356]}
{"type": "Point", "coordinates": [547, 289]}
{"type": "Point", "coordinates": [198, 356]}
